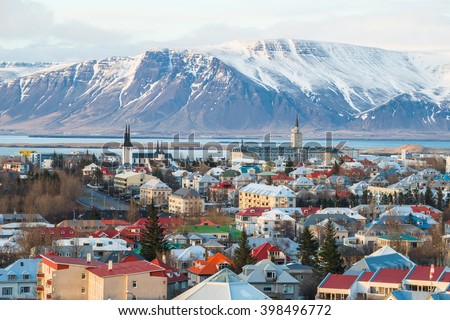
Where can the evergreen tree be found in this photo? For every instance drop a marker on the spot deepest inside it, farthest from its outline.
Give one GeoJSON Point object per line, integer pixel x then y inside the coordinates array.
{"type": "Point", "coordinates": [329, 258]}
{"type": "Point", "coordinates": [401, 198]}
{"type": "Point", "coordinates": [157, 172]}
{"type": "Point", "coordinates": [308, 248]}
{"type": "Point", "coordinates": [289, 167]}
{"type": "Point", "coordinates": [384, 199]}
{"type": "Point", "coordinates": [152, 238]}
{"type": "Point", "coordinates": [429, 197]}
{"type": "Point", "coordinates": [365, 197]}
{"type": "Point", "coordinates": [242, 254]}
{"type": "Point", "coordinates": [409, 197]}
{"type": "Point", "coordinates": [416, 197]}
{"type": "Point", "coordinates": [336, 168]}
{"type": "Point", "coordinates": [440, 199]}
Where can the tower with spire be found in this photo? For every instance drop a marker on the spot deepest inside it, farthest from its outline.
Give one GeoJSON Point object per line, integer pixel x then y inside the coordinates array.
{"type": "Point", "coordinates": [127, 146]}
{"type": "Point", "coordinates": [296, 135]}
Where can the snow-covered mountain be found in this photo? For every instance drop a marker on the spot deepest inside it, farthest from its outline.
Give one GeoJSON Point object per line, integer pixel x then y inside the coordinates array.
{"type": "Point", "coordinates": [13, 70]}
{"type": "Point", "coordinates": [237, 87]}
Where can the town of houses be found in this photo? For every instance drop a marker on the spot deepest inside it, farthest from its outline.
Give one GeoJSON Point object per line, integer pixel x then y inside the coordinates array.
{"type": "Point", "coordinates": [389, 215]}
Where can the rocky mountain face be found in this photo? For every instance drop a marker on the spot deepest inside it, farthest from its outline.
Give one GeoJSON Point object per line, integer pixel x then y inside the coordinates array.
{"type": "Point", "coordinates": [249, 87]}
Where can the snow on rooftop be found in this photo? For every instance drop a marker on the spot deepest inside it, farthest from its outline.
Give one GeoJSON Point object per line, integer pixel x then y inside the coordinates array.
{"type": "Point", "coordinates": [276, 191]}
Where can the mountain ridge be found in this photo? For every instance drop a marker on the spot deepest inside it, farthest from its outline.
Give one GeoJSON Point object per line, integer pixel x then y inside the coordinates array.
{"type": "Point", "coordinates": [238, 87]}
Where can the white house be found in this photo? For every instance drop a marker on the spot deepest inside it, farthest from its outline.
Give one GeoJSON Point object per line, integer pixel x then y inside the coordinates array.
{"type": "Point", "coordinates": [274, 223]}
{"type": "Point", "coordinates": [19, 279]}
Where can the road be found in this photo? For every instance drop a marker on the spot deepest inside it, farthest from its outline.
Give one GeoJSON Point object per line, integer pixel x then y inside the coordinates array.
{"type": "Point", "coordinates": [94, 198]}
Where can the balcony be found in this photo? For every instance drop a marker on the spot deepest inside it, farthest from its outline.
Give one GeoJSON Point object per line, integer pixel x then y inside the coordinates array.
{"type": "Point", "coordinates": [40, 288]}
{"type": "Point", "coordinates": [40, 275]}
{"type": "Point", "coordinates": [49, 282]}
{"type": "Point", "coordinates": [49, 296]}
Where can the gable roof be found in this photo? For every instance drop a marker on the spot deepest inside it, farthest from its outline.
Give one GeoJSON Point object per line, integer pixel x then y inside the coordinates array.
{"type": "Point", "coordinates": [253, 211]}
{"type": "Point", "coordinates": [211, 243]}
{"type": "Point", "coordinates": [409, 295]}
{"type": "Point", "coordinates": [366, 276]}
{"type": "Point", "coordinates": [224, 285]}
{"type": "Point", "coordinates": [338, 281]}
{"type": "Point", "coordinates": [257, 273]}
{"type": "Point", "coordinates": [282, 176]}
{"type": "Point", "coordinates": [109, 233]}
{"type": "Point", "coordinates": [186, 193]}
{"type": "Point", "coordinates": [263, 252]}
{"type": "Point", "coordinates": [209, 266]}
{"type": "Point", "coordinates": [389, 275]}
{"type": "Point", "coordinates": [172, 274]}
{"type": "Point", "coordinates": [276, 191]}
{"type": "Point", "coordinates": [423, 273]}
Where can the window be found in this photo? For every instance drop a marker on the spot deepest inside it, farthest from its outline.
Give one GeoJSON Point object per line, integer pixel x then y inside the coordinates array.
{"type": "Point", "coordinates": [25, 276]}
{"type": "Point", "coordinates": [267, 289]}
{"type": "Point", "coordinates": [12, 277]}
{"type": "Point", "coordinates": [134, 284]}
{"type": "Point", "coordinates": [25, 290]}
{"type": "Point", "coordinates": [222, 265]}
{"type": "Point", "coordinates": [288, 289]}
{"type": "Point", "coordinates": [83, 276]}
{"type": "Point", "coordinates": [7, 291]}
{"type": "Point", "coordinates": [270, 274]}
{"type": "Point", "coordinates": [83, 290]}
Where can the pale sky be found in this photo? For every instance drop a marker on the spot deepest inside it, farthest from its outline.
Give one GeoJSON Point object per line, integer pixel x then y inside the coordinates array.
{"type": "Point", "coordinates": [68, 30]}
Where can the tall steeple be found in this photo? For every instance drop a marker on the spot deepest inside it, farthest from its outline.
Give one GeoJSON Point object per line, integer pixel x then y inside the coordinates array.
{"type": "Point", "coordinates": [127, 137]}
{"type": "Point", "coordinates": [296, 135]}
{"type": "Point", "coordinates": [127, 146]}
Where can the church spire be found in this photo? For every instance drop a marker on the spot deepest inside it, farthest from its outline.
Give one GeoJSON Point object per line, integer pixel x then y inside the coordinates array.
{"type": "Point", "coordinates": [296, 120]}
{"type": "Point", "coordinates": [127, 136]}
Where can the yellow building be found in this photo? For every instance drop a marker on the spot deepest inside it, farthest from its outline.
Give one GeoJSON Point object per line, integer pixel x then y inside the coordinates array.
{"type": "Point", "coordinates": [123, 181]}
{"type": "Point", "coordinates": [133, 280]}
{"type": "Point", "coordinates": [155, 190]}
{"type": "Point", "coordinates": [186, 201]}
{"type": "Point", "coordinates": [260, 195]}
{"type": "Point", "coordinates": [63, 278]}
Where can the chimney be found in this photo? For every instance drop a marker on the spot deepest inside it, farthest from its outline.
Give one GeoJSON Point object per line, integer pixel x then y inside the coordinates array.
{"type": "Point", "coordinates": [110, 265]}
{"type": "Point", "coordinates": [88, 258]}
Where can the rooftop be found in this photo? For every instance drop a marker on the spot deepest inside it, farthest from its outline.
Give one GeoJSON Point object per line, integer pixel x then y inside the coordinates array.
{"type": "Point", "coordinates": [125, 268]}
{"type": "Point", "coordinates": [338, 281]}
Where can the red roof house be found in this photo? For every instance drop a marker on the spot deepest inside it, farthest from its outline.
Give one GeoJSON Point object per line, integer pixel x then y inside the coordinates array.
{"type": "Point", "coordinates": [268, 251]}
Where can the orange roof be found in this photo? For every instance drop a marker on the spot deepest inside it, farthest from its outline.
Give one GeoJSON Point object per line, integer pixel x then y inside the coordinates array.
{"type": "Point", "coordinates": [282, 176]}
{"type": "Point", "coordinates": [209, 267]}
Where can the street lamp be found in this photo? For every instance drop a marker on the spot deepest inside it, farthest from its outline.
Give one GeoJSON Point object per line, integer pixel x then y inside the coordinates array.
{"type": "Point", "coordinates": [133, 296]}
